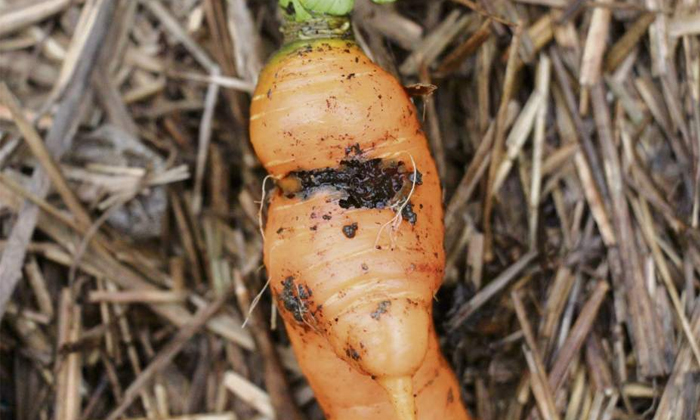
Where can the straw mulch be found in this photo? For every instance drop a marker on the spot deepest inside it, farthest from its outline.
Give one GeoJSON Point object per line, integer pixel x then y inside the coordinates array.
{"type": "Point", "coordinates": [567, 134]}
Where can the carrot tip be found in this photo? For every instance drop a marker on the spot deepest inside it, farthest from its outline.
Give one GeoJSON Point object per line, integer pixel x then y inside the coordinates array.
{"type": "Point", "coordinates": [400, 390]}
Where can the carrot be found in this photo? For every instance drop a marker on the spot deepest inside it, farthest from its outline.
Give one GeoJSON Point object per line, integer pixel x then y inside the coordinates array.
{"type": "Point", "coordinates": [353, 242]}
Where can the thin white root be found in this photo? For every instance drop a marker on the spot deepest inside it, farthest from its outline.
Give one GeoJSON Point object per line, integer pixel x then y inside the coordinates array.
{"type": "Point", "coordinates": [262, 206]}
{"type": "Point", "coordinates": [259, 296]}
{"type": "Point", "coordinates": [255, 302]}
{"type": "Point", "coordinates": [395, 221]}
{"type": "Point", "coordinates": [410, 194]}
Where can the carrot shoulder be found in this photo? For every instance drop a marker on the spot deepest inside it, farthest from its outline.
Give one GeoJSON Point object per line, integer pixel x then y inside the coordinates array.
{"type": "Point", "coordinates": [354, 234]}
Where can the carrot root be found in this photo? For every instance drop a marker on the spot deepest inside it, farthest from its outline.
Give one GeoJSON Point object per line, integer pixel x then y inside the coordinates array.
{"type": "Point", "coordinates": [400, 392]}
{"type": "Point", "coordinates": [330, 126]}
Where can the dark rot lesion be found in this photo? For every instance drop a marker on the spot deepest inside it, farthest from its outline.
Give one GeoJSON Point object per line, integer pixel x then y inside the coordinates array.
{"type": "Point", "coordinates": [450, 396]}
{"type": "Point", "coordinates": [352, 353]}
{"type": "Point", "coordinates": [350, 230]}
{"type": "Point", "coordinates": [354, 150]}
{"type": "Point", "coordinates": [382, 308]}
{"type": "Point", "coordinates": [297, 300]}
{"type": "Point", "coordinates": [364, 183]}
{"type": "Point", "coordinates": [408, 214]}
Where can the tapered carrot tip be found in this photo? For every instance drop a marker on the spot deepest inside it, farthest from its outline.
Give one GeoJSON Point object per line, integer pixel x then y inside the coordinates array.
{"type": "Point", "coordinates": [400, 390]}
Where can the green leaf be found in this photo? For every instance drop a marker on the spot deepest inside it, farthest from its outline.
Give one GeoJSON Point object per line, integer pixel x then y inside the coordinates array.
{"type": "Point", "coordinates": [330, 7]}
{"type": "Point", "coordinates": [307, 9]}
{"type": "Point", "coordinates": [300, 14]}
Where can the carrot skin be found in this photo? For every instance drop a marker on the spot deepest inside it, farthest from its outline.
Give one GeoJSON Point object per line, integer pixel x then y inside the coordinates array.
{"type": "Point", "coordinates": [345, 394]}
{"type": "Point", "coordinates": [358, 308]}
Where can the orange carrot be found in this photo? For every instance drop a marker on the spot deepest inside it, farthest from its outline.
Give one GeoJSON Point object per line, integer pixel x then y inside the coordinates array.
{"type": "Point", "coordinates": [353, 242]}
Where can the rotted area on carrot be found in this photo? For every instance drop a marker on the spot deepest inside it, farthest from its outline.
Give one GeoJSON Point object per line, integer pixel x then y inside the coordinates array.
{"type": "Point", "coordinates": [364, 183]}
{"type": "Point", "coordinates": [353, 283]}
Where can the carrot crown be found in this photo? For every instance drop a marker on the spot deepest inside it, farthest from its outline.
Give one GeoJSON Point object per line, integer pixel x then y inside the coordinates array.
{"type": "Point", "coordinates": [313, 19]}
